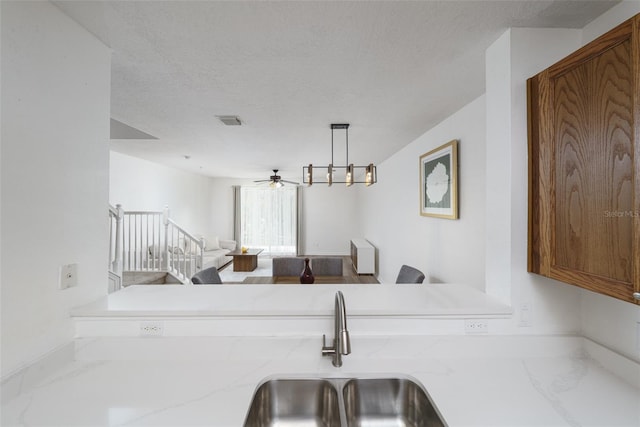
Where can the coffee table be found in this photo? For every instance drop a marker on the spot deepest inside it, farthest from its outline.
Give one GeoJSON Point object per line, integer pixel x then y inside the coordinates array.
{"type": "Point", "coordinates": [247, 261]}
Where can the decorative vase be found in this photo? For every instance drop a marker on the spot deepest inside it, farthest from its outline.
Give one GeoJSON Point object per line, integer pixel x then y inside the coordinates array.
{"type": "Point", "coordinates": [307, 275]}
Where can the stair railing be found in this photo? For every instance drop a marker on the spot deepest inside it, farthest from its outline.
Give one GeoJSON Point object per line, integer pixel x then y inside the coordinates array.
{"type": "Point", "coordinates": [185, 251]}
{"type": "Point", "coordinates": [150, 241]}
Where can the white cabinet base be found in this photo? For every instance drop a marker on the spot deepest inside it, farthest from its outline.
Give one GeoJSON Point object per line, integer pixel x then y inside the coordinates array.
{"type": "Point", "coordinates": [363, 256]}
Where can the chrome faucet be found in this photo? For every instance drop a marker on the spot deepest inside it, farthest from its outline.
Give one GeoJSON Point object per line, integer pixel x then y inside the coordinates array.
{"type": "Point", "coordinates": [341, 340]}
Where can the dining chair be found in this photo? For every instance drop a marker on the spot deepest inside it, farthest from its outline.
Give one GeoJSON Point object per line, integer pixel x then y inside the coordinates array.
{"type": "Point", "coordinates": [208, 276]}
{"type": "Point", "coordinates": [326, 266]}
{"type": "Point", "coordinates": [409, 274]}
{"type": "Point", "coordinates": [287, 266]}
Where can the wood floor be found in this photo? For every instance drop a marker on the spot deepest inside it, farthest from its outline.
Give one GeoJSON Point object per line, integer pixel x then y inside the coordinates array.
{"type": "Point", "coordinates": [350, 274]}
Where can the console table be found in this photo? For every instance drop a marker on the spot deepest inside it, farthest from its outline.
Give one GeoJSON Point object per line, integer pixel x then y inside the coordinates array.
{"type": "Point", "coordinates": [363, 256]}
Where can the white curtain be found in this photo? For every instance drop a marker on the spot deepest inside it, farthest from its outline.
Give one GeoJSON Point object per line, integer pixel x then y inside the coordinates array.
{"type": "Point", "coordinates": [268, 219]}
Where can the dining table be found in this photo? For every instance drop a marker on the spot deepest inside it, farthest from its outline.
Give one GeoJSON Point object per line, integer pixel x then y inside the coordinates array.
{"type": "Point", "coordinates": [295, 280]}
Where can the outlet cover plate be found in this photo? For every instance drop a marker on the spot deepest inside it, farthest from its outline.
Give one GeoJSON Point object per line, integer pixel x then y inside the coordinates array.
{"type": "Point", "coordinates": [476, 326]}
{"type": "Point", "coordinates": [151, 329]}
{"type": "Point", "coordinates": [68, 276]}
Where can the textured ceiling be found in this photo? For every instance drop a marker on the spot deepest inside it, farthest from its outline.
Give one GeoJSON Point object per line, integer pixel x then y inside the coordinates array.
{"type": "Point", "coordinates": [290, 69]}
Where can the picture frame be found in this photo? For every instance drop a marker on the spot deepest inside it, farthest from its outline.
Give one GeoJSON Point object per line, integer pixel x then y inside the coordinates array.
{"type": "Point", "coordinates": [439, 181]}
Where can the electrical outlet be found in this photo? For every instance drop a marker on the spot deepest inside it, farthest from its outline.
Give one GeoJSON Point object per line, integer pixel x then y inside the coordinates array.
{"type": "Point", "coordinates": [151, 329]}
{"type": "Point", "coordinates": [68, 276]}
{"type": "Point", "coordinates": [476, 326]}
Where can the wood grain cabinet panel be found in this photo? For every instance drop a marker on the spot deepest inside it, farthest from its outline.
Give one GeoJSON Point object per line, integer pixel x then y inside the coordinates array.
{"type": "Point", "coordinates": [584, 163]}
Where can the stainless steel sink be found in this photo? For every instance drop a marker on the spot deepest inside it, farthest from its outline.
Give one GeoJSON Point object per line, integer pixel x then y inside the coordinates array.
{"type": "Point", "coordinates": [294, 402]}
{"type": "Point", "coordinates": [396, 401]}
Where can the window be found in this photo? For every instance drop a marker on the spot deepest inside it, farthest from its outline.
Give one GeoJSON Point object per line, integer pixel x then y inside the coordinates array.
{"type": "Point", "coordinates": [269, 219]}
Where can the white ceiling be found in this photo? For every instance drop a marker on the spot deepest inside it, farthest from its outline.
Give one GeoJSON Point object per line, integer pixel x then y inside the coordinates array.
{"type": "Point", "coordinates": [289, 69]}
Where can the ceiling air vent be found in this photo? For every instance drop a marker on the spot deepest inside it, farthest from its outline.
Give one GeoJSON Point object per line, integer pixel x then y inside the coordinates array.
{"type": "Point", "coordinates": [230, 120]}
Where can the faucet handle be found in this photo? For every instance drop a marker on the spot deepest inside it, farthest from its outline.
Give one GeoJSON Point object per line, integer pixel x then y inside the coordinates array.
{"type": "Point", "coordinates": [327, 351]}
{"type": "Point", "coordinates": [345, 341]}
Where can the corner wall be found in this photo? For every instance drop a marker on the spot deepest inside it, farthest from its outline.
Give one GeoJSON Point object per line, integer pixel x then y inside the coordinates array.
{"type": "Point", "coordinates": [447, 251]}
{"type": "Point", "coordinates": [54, 176]}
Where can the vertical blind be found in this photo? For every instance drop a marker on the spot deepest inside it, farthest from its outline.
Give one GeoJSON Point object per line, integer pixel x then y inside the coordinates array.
{"type": "Point", "coordinates": [268, 219]}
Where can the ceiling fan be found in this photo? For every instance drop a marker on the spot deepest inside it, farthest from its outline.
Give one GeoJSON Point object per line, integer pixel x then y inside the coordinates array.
{"type": "Point", "coordinates": [276, 181]}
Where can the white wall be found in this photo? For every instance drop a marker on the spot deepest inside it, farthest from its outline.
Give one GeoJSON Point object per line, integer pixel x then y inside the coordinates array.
{"type": "Point", "coordinates": [449, 251]}
{"type": "Point", "coordinates": [330, 219]}
{"type": "Point", "coordinates": [138, 184]}
{"type": "Point", "coordinates": [55, 132]}
{"type": "Point", "coordinates": [517, 55]}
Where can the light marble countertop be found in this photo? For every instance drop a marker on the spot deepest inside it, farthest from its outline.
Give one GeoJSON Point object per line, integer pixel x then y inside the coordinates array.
{"type": "Point", "coordinates": [292, 300]}
{"type": "Point", "coordinates": [510, 381]}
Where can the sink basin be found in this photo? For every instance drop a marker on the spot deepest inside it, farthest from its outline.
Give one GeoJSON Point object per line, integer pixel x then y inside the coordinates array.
{"type": "Point", "coordinates": [350, 402]}
{"type": "Point", "coordinates": [393, 402]}
{"type": "Point", "coordinates": [294, 402]}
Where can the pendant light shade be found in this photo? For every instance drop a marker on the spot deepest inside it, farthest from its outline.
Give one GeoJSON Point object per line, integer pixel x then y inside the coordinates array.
{"type": "Point", "coordinates": [349, 177]}
{"type": "Point", "coordinates": [352, 174]}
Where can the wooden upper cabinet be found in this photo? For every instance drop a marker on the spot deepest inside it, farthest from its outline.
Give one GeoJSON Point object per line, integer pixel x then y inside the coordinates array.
{"type": "Point", "coordinates": [584, 166]}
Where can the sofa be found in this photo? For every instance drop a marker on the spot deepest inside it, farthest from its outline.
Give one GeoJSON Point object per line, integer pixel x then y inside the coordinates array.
{"type": "Point", "coordinates": [214, 254]}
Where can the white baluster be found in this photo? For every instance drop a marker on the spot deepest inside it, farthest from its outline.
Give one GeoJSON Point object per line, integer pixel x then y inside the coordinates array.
{"type": "Point", "coordinates": [116, 266]}
{"type": "Point", "coordinates": [165, 221]}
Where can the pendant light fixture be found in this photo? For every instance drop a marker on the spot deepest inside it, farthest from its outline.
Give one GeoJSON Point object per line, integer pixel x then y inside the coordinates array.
{"type": "Point", "coordinates": [352, 174]}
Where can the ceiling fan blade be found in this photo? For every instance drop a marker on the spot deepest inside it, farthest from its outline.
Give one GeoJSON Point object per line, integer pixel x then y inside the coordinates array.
{"type": "Point", "coordinates": [276, 179]}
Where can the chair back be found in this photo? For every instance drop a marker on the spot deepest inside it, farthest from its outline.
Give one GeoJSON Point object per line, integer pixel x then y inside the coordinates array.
{"type": "Point", "coordinates": [208, 276]}
{"type": "Point", "coordinates": [287, 266]}
{"type": "Point", "coordinates": [409, 274]}
{"type": "Point", "coordinates": [329, 266]}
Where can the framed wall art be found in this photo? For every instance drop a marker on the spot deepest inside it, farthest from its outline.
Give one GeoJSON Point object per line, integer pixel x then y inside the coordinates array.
{"type": "Point", "coordinates": [439, 181]}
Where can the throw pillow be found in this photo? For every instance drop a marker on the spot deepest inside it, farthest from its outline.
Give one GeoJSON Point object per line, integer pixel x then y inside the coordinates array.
{"type": "Point", "coordinates": [213, 244]}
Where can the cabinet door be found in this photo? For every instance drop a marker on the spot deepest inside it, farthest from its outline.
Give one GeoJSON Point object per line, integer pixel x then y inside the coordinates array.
{"type": "Point", "coordinates": [584, 210]}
